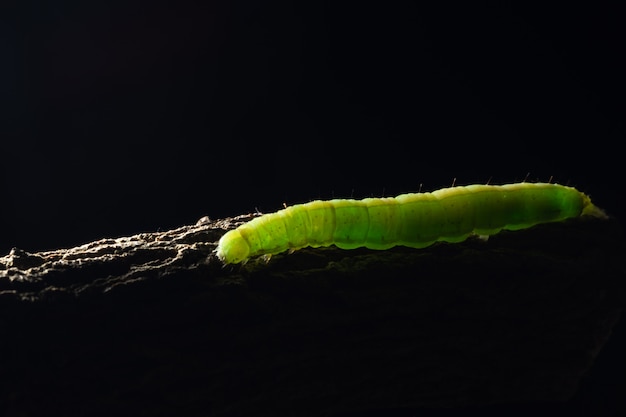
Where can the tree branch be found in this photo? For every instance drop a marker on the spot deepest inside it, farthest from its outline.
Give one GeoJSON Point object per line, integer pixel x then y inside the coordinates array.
{"type": "Point", "coordinates": [154, 324]}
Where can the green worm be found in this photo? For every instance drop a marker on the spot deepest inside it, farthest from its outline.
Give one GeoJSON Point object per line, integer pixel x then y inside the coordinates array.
{"type": "Point", "coordinates": [415, 220]}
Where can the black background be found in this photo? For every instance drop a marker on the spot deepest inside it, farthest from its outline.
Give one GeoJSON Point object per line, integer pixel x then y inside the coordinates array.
{"type": "Point", "coordinates": [119, 118]}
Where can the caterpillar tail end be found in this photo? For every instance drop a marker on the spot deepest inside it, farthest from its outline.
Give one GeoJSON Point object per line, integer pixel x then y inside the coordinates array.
{"type": "Point", "coordinates": [594, 211]}
{"type": "Point", "coordinates": [590, 209]}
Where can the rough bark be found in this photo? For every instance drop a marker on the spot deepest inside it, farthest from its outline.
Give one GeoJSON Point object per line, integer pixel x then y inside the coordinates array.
{"type": "Point", "coordinates": [154, 324]}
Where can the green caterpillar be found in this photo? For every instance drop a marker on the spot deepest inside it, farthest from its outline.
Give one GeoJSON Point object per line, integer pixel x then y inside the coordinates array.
{"type": "Point", "coordinates": [413, 220]}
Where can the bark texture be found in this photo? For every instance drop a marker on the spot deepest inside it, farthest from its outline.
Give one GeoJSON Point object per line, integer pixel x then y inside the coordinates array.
{"type": "Point", "coordinates": [154, 324]}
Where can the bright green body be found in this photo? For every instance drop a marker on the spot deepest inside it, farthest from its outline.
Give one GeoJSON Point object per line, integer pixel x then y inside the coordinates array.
{"type": "Point", "coordinates": [413, 220]}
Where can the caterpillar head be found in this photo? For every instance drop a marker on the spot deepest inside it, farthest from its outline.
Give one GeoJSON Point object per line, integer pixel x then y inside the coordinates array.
{"type": "Point", "coordinates": [232, 248]}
